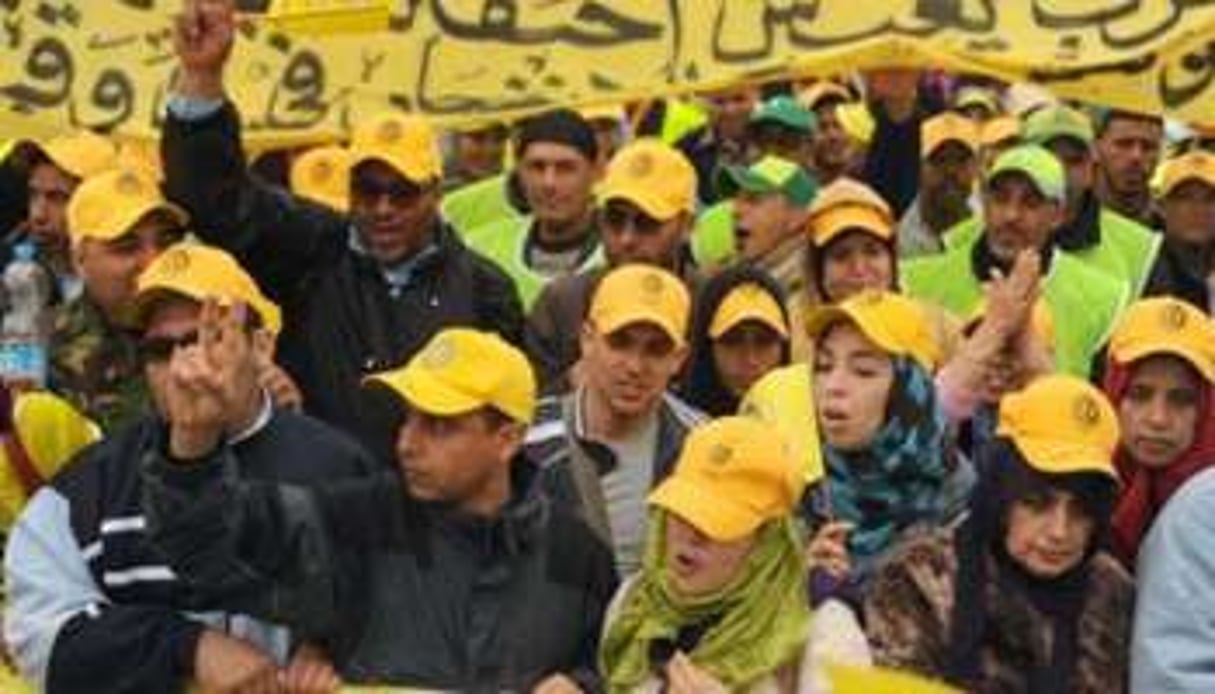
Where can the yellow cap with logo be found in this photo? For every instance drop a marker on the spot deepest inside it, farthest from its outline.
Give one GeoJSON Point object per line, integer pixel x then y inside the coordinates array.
{"type": "Point", "coordinates": [652, 175]}
{"type": "Point", "coordinates": [896, 324]}
{"type": "Point", "coordinates": [847, 204]}
{"type": "Point", "coordinates": [461, 370]}
{"type": "Point", "coordinates": [636, 293]}
{"type": "Point", "coordinates": [322, 174]}
{"type": "Point", "coordinates": [1000, 129]}
{"type": "Point", "coordinates": [108, 205]}
{"type": "Point", "coordinates": [81, 153]}
{"type": "Point", "coordinates": [201, 272]}
{"type": "Point", "coordinates": [1164, 325]}
{"type": "Point", "coordinates": [1196, 165]}
{"type": "Point", "coordinates": [1061, 425]}
{"type": "Point", "coordinates": [823, 92]}
{"type": "Point", "coordinates": [945, 128]}
{"type": "Point", "coordinates": [406, 143]}
{"type": "Point", "coordinates": [748, 301]}
{"type": "Point", "coordinates": [733, 475]}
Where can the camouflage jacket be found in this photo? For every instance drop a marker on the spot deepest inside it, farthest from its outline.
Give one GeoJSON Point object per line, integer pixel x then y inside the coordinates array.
{"type": "Point", "coordinates": [96, 366]}
{"type": "Point", "coordinates": [910, 602]}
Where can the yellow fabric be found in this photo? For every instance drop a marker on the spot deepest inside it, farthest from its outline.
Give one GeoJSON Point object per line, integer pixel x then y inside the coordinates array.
{"type": "Point", "coordinates": [81, 153]}
{"type": "Point", "coordinates": [733, 475]}
{"type": "Point", "coordinates": [1165, 325]}
{"type": "Point", "coordinates": [746, 302]}
{"type": "Point", "coordinates": [977, 96]}
{"type": "Point", "coordinates": [1061, 424]}
{"type": "Point", "coordinates": [652, 175]}
{"type": "Point", "coordinates": [816, 93]}
{"type": "Point", "coordinates": [141, 154]}
{"type": "Point", "coordinates": [849, 679]}
{"type": "Point", "coordinates": [1057, 121]}
{"type": "Point", "coordinates": [637, 293]}
{"type": "Point", "coordinates": [948, 127]}
{"type": "Point", "coordinates": [857, 121]}
{"type": "Point", "coordinates": [1198, 165]}
{"type": "Point", "coordinates": [51, 431]}
{"type": "Point", "coordinates": [895, 323]}
{"type": "Point", "coordinates": [322, 174]}
{"type": "Point", "coordinates": [106, 206]}
{"type": "Point", "coordinates": [1000, 129]}
{"type": "Point", "coordinates": [330, 17]}
{"type": "Point", "coordinates": [406, 143]}
{"type": "Point", "coordinates": [461, 370]}
{"type": "Point", "coordinates": [784, 398]}
{"type": "Point", "coordinates": [848, 204]}
{"type": "Point", "coordinates": [201, 272]}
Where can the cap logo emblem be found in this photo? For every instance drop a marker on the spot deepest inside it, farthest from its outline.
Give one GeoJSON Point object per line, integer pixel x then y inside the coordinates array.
{"type": "Point", "coordinates": [322, 171]}
{"type": "Point", "coordinates": [128, 184]}
{"type": "Point", "coordinates": [389, 132]}
{"type": "Point", "coordinates": [175, 262]}
{"type": "Point", "coordinates": [1086, 412]}
{"type": "Point", "coordinates": [651, 288]}
{"type": "Point", "coordinates": [439, 355]}
{"type": "Point", "coordinates": [1173, 318]}
{"type": "Point", "coordinates": [641, 165]}
{"type": "Point", "coordinates": [720, 454]}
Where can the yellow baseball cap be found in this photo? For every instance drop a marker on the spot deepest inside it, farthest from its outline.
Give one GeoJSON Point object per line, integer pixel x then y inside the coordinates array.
{"type": "Point", "coordinates": [612, 112]}
{"type": "Point", "coordinates": [895, 323]}
{"type": "Point", "coordinates": [999, 129]}
{"type": "Point", "coordinates": [81, 153]}
{"type": "Point", "coordinates": [406, 143]}
{"type": "Point", "coordinates": [1164, 325]}
{"type": "Point", "coordinates": [1050, 123]}
{"type": "Point", "coordinates": [857, 121]}
{"type": "Point", "coordinates": [948, 127]}
{"type": "Point", "coordinates": [461, 370]}
{"type": "Point", "coordinates": [733, 475]}
{"type": "Point", "coordinates": [201, 272]}
{"type": "Point", "coordinates": [977, 96]}
{"type": "Point", "coordinates": [856, 679]}
{"type": "Point", "coordinates": [848, 204]}
{"type": "Point", "coordinates": [1196, 165]}
{"type": "Point", "coordinates": [653, 176]}
{"type": "Point", "coordinates": [322, 174]}
{"type": "Point", "coordinates": [1061, 425]}
{"type": "Point", "coordinates": [106, 206]}
{"type": "Point", "coordinates": [823, 91]}
{"type": "Point", "coordinates": [636, 293]}
{"type": "Point", "coordinates": [748, 301]}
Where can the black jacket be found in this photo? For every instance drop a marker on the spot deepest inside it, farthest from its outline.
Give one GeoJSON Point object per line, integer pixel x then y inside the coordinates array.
{"type": "Point", "coordinates": [398, 592]}
{"type": "Point", "coordinates": [1181, 271]}
{"type": "Point", "coordinates": [343, 319]}
{"type": "Point", "coordinates": [92, 604]}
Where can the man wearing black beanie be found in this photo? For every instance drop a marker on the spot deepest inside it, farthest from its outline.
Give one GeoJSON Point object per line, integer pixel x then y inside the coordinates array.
{"type": "Point", "coordinates": [556, 167]}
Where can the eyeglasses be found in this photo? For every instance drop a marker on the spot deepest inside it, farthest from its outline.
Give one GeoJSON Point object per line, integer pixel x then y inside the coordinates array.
{"type": "Point", "coordinates": [158, 349]}
{"type": "Point", "coordinates": [621, 218]}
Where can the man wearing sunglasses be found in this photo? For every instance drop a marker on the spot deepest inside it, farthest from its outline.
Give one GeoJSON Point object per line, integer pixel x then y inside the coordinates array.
{"type": "Point", "coordinates": [645, 206]}
{"type": "Point", "coordinates": [361, 292]}
{"type": "Point", "coordinates": [92, 605]}
{"type": "Point", "coordinates": [118, 222]}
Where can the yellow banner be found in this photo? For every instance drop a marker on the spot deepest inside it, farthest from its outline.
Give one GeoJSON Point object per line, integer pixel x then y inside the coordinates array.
{"type": "Point", "coordinates": [108, 63]}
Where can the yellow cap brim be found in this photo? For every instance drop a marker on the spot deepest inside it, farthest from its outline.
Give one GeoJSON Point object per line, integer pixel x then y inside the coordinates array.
{"type": "Point", "coordinates": [722, 519]}
{"type": "Point", "coordinates": [137, 315]}
{"type": "Point", "coordinates": [1148, 348]}
{"type": "Point", "coordinates": [1055, 457]}
{"type": "Point", "coordinates": [871, 327]}
{"type": "Point", "coordinates": [609, 322]}
{"type": "Point", "coordinates": [833, 223]}
{"type": "Point", "coordinates": [1201, 176]}
{"type": "Point", "coordinates": [422, 390]}
{"type": "Point", "coordinates": [653, 205]}
{"type": "Point", "coordinates": [130, 217]}
{"type": "Point", "coordinates": [931, 146]}
{"type": "Point", "coordinates": [723, 323]}
{"type": "Point", "coordinates": [420, 175]}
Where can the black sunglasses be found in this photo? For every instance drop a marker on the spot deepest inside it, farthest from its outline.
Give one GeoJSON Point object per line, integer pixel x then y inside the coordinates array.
{"type": "Point", "coordinates": [621, 218]}
{"type": "Point", "coordinates": [158, 349]}
{"type": "Point", "coordinates": [399, 191]}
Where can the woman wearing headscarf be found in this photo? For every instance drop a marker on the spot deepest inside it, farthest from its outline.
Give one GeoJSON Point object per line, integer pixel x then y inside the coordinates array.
{"type": "Point", "coordinates": [1019, 597]}
{"type": "Point", "coordinates": [740, 331]}
{"type": "Point", "coordinates": [719, 604]}
{"type": "Point", "coordinates": [1159, 375]}
{"type": "Point", "coordinates": [888, 456]}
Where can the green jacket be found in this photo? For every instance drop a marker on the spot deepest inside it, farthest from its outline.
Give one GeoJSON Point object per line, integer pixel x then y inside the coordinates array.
{"type": "Point", "coordinates": [95, 366]}
{"type": "Point", "coordinates": [713, 235]}
{"type": "Point", "coordinates": [1115, 245]}
{"type": "Point", "coordinates": [478, 204]}
{"type": "Point", "coordinates": [506, 243]}
{"type": "Point", "coordinates": [1085, 303]}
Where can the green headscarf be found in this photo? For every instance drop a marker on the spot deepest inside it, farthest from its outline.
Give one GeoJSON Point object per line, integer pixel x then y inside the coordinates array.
{"type": "Point", "coordinates": [764, 624]}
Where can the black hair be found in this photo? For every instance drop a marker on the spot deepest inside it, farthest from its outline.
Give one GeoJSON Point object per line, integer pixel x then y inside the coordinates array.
{"type": "Point", "coordinates": [562, 126]}
{"type": "Point", "coordinates": [1105, 117]}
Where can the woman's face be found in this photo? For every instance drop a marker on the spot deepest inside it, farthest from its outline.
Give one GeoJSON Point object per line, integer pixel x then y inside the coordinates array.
{"type": "Point", "coordinates": [697, 564]}
{"type": "Point", "coordinates": [854, 262]}
{"type": "Point", "coordinates": [1048, 533]}
{"type": "Point", "coordinates": [852, 381]}
{"type": "Point", "coordinates": [1159, 412]}
{"type": "Point", "coordinates": [745, 353]}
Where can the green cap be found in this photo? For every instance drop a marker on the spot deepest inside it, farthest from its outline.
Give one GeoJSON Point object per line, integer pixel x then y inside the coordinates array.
{"type": "Point", "coordinates": [1037, 164]}
{"type": "Point", "coordinates": [785, 111]}
{"type": "Point", "coordinates": [771, 174]}
{"type": "Point", "coordinates": [1052, 122]}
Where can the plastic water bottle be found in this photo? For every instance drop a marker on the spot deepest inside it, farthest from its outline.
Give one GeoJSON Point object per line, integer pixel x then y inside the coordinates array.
{"type": "Point", "coordinates": [24, 331]}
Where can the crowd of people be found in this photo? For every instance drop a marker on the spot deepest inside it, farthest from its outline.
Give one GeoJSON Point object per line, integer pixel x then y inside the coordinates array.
{"type": "Point", "coordinates": [900, 371]}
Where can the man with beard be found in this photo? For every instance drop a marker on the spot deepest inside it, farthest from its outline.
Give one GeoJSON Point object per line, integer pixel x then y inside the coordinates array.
{"type": "Point", "coordinates": [1128, 147]}
{"type": "Point", "coordinates": [949, 156]}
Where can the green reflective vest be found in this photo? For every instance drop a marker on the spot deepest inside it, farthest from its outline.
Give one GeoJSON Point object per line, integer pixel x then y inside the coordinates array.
{"type": "Point", "coordinates": [713, 235]}
{"type": "Point", "coordinates": [478, 204]}
{"type": "Point", "coordinates": [505, 243]}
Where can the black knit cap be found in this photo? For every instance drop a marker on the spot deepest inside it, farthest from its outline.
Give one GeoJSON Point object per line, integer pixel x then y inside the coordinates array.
{"type": "Point", "coordinates": [560, 126]}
